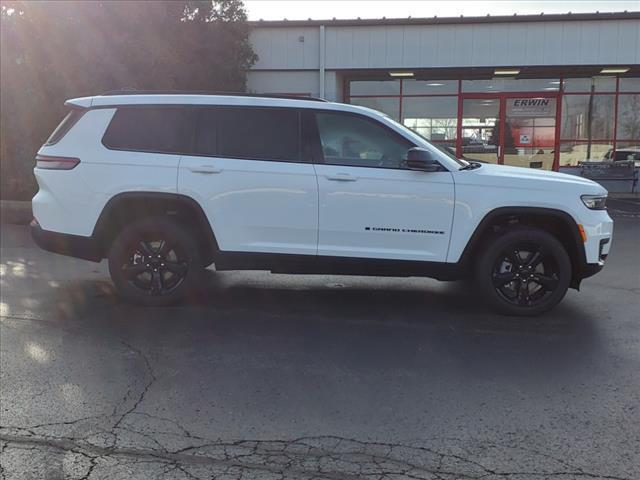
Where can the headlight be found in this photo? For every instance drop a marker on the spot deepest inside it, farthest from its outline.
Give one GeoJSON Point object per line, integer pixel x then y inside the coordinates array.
{"type": "Point", "coordinates": [595, 202]}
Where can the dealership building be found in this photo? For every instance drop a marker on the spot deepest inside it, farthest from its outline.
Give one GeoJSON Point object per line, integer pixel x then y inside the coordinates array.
{"type": "Point", "coordinates": [544, 91]}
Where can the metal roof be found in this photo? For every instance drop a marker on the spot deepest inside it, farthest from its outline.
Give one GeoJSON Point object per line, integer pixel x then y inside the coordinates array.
{"type": "Point", "coordinates": [563, 17]}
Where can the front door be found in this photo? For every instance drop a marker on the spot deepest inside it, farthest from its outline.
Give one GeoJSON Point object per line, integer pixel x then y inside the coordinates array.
{"type": "Point", "coordinates": [371, 206]}
{"type": "Point", "coordinates": [510, 129]}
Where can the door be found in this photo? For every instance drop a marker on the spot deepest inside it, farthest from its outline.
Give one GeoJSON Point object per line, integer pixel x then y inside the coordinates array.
{"type": "Point", "coordinates": [249, 175]}
{"type": "Point", "coordinates": [530, 131]}
{"type": "Point", "coordinates": [371, 206]}
{"type": "Point", "coordinates": [510, 129]}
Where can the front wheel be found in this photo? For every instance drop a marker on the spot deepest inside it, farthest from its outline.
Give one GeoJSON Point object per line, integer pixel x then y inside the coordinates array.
{"type": "Point", "coordinates": [525, 272]}
{"type": "Point", "coordinates": [155, 261]}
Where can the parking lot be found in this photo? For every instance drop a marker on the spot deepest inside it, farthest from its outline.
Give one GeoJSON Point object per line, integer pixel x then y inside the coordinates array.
{"type": "Point", "coordinates": [316, 377]}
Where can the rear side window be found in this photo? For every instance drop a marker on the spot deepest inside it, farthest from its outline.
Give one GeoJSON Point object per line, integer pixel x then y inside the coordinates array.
{"type": "Point", "coordinates": [151, 129]}
{"type": "Point", "coordinates": [65, 125]}
{"type": "Point", "coordinates": [206, 139]}
{"type": "Point", "coordinates": [258, 133]}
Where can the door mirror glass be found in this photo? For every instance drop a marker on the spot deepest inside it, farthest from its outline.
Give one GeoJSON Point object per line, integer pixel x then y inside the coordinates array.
{"type": "Point", "coordinates": [421, 159]}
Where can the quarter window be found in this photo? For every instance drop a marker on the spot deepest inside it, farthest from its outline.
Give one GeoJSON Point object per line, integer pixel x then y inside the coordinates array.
{"type": "Point", "coordinates": [151, 129]}
{"type": "Point", "coordinates": [259, 133]}
{"type": "Point", "coordinates": [61, 130]}
{"type": "Point", "coordinates": [359, 142]}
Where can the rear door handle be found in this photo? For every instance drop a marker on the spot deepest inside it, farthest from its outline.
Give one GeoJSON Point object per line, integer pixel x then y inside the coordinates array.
{"type": "Point", "coordinates": [205, 169]}
{"type": "Point", "coordinates": [341, 177]}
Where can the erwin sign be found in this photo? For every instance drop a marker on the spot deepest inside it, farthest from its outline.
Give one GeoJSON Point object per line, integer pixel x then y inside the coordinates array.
{"type": "Point", "coordinates": [531, 107]}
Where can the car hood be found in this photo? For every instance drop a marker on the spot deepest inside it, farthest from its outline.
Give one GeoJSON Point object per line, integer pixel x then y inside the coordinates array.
{"type": "Point", "coordinates": [504, 176]}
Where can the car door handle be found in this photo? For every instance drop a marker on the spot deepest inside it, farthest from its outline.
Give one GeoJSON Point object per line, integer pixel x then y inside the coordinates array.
{"type": "Point", "coordinates": [205, 169]}
{"type": "Point", "coordinates": [341, 177]}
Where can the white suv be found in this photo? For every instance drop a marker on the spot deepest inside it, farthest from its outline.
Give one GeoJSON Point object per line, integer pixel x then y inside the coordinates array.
{"type": "Point", "coordinates": [163, 185]}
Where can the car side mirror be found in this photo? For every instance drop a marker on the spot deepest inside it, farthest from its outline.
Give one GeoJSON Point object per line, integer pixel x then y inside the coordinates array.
{"type": "Point", "coordinates": [421, 159]}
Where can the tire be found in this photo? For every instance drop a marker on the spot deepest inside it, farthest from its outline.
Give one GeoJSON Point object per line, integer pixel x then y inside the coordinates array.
{"type": "Point", "coordinates": [525, 271]}
{"type": "Point", "coordinates": [155, 262]}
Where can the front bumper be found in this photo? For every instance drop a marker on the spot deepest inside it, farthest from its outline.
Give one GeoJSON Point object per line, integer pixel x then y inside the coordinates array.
{"type": "Point", "coordinates": [71, 245]}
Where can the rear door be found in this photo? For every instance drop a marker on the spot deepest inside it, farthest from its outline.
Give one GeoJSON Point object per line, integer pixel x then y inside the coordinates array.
{"type": "Point", "coordinates": [248, 172]}
{"type": "Point", "coordinates": [371, 205]}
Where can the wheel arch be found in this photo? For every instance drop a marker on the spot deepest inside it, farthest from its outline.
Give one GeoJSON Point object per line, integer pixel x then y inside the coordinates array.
{"type": "Point", "coordinates": [557, 222]}
{"type": "Point", "coordinates": [126, 207]}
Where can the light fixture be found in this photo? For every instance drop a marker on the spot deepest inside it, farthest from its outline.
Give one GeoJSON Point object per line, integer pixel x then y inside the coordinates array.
{"type": "Point", "coordinates": [552, 88]}
{"type": "Point", "coordinates": [401, 74]}
{"type": "Point", "coordinates": [513, 71]}
{"type": "Point", "coordinates": [435, 84]}
{"type": "Point", "coordinates": [615, 70]}
{"type": "Point", "coordinates": [555, 82]}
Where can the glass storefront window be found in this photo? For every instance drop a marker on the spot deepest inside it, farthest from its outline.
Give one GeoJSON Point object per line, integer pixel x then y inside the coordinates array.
{"type": "Point", "coordinates": [628, 117]}
{"type": "Point", "coordinates": [496, 85]}
{"type": "Point", "coordinates": [573, 152]}
{"type": "Point", "coordinates": [588, 122]}
{"type": "Point", "coordinates": [587, 117]}
{"type": "Point", "coordinates": [583, 85]}
{"type": "Point", "coordinates": [530, 132]}
{"type": "Point", "coordinates": [480, 129]}
{"type": "Point", "coordinates": [365, 87]}
{"type": "Point", "coordinates": [429, 87]}
{"type": "Point", "coordinates": [388, 105]}
{"type": "Point", "coordinates": [630, 85]}
{"type": "Point", "coordinates": [435, 118]}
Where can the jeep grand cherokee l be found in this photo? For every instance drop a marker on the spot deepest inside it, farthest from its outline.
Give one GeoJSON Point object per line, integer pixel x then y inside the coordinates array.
{"type": "Point", "coordinates": [164, 185]}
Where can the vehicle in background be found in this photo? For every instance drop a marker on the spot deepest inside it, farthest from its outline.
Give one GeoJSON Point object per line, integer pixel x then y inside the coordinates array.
{"type": "Point", "coordinates": [624, 154]}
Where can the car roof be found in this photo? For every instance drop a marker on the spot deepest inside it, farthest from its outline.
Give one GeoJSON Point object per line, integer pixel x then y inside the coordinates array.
{"type": "Point", "coordinates": [125, 99]}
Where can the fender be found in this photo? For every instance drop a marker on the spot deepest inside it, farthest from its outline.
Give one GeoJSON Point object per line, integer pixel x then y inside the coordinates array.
{"type": "Point", "coordinates": [182, 207]}
{"type": "Point", "coordinates": [578, 256]}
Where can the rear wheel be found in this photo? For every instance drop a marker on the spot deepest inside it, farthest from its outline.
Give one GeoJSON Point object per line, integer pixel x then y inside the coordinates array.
{"type": "Point", "coordinates": [155, 261]}
{"type": "Point", "coordinates": [526, 271]}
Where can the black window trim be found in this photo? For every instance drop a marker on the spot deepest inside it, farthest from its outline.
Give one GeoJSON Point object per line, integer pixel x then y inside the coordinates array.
{"type": "Point", "coordinates": [306, 117]}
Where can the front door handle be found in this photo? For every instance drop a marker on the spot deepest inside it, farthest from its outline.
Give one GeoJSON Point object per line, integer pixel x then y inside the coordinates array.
{"type": "Point", "coordinates": [341, 177]}
{"type": "Point", "coordinates": [205, 169]}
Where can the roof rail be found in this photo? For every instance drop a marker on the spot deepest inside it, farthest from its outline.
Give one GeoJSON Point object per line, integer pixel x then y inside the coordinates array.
{"type": "Point", "coordinates": [198, 92]}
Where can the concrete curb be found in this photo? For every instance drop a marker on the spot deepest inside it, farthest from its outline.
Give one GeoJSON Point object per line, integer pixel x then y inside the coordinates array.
{"type": "Point", "coordinates": [15, 212]}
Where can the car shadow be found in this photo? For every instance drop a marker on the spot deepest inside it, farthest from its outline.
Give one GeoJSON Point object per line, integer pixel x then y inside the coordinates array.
{"type": "Point", "coordinates": [408, 302]}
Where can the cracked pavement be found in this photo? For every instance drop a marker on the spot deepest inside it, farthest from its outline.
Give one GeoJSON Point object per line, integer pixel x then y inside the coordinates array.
{"type": "Point", "coordinates": [316, 377]}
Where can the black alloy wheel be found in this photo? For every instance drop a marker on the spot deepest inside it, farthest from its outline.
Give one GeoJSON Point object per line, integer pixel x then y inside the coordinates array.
{"type": "Point", "coordinates": [155, 261]}
{"type": "Point", "coordinates": [525, 274]}
{"type": "Point", "coordinates": [523, 271]}
{"type": "Point", "coordinates": [156, 267]}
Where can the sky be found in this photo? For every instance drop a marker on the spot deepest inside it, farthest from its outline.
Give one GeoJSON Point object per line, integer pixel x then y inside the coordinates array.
{"type": "Point", "coordinates": [327, 9]}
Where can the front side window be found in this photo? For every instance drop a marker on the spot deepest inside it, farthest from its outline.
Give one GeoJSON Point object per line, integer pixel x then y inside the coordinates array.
{"type": "Point", "coordinates": [151, 129]}
{"type": "Point", "coordinates": [356, 141]}
{"type": "Point", "coordinates": [258, 133]}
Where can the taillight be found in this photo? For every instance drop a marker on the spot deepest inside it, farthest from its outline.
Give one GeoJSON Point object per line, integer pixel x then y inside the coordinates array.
{"type": "Point", "coordinates": [56, 163]}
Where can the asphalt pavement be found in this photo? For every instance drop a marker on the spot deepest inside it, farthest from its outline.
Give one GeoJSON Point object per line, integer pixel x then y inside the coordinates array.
{"type": "Point", "coordinates": [315, 377]}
